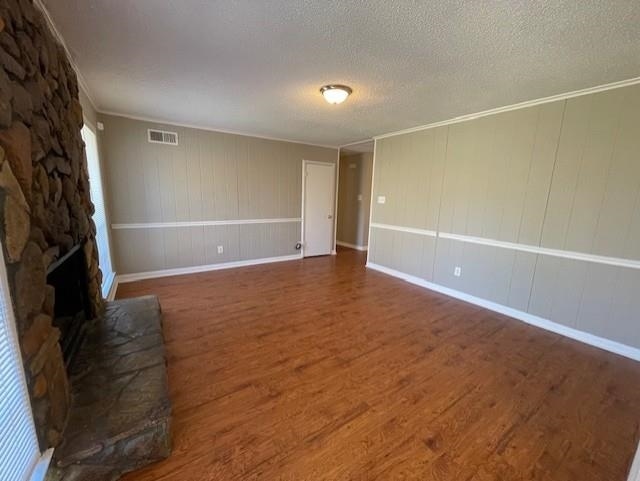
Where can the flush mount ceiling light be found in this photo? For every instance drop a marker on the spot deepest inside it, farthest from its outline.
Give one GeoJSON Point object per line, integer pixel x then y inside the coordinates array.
{"type": "Point", "coordinates": [335, 94]}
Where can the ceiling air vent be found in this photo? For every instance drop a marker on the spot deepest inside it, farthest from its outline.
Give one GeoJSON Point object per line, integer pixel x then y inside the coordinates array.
{"type": "Point", "coordinates": [163, 137]}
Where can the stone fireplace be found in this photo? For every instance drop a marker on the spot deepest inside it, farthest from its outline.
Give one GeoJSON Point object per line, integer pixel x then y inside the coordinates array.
{"type": "Point", "coordinates": [96, 372]}
{"type": "Point", "coordinates": [45, 208]}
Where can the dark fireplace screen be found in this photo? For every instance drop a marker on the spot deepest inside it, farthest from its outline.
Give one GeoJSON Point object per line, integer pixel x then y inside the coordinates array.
{"type": "Point", "coordinates": [69, 278]}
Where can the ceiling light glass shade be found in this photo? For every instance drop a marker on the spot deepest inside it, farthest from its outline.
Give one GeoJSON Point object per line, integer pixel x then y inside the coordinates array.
{"type": "Point", "coordinates": [335, 94]}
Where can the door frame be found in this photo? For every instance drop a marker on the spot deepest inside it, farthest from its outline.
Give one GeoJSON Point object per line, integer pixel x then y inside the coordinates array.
{"type": "Point", "coordinates": [634, 471]}
{"type": "Point", "coordinates": [336, 176]}
{"type": "Point", "coordinates": [305, 162]}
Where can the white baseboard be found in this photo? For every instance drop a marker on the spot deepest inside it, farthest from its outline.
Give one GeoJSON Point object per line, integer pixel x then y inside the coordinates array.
{"type": "Point", "coordinates": [113, 289]}
{"type": "Point", "coordinates": [352, 246]}
{"type": "Point", "coordinates": [39, 471]}
{"type": "Point", "coordinates": [585, 337]}
{"type": "Point", "coordinates": [123, 278]}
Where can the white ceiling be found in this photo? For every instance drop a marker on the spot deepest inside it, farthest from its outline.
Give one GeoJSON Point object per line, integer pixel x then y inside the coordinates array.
{"type": "Point", "coordinates": [256, 66]}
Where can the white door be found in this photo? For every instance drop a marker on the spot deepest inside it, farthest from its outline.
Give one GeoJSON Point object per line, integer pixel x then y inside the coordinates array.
{"type": "Point", "coordinates": [319, 204]}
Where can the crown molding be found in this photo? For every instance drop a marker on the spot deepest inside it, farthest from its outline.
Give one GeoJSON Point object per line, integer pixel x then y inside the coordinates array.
{"type": "Point", "coordinates": [357, 142]}
{"type": "Point", "coordinates": [209, 129]}
{"type": "Point", "coordinates": [520, 105]}
{"type": "Point", "coordinates": [56, 33]}
{"type": "Point", "coordinates": [463, 118]}
{"type": "Point", "coordinates": [83, 84]}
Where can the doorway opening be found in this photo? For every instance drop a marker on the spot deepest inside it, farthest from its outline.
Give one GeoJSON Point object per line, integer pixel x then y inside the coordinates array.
{"type": "Point", "coordinates": [354, 196]}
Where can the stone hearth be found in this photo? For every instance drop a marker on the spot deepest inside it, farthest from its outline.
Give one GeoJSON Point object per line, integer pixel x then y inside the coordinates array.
{"type": "Point", "coordinates": [120, 412]}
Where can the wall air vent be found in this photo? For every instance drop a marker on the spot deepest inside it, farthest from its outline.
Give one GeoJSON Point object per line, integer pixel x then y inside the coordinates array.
{"type": "Point", "coordinates": [162, 137]}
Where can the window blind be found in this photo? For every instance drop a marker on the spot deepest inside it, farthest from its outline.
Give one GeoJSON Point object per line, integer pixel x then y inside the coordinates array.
{"type": "Point", "coordinates": [19, 450]}
{"type": "Point", "coordinates": [99, 217]}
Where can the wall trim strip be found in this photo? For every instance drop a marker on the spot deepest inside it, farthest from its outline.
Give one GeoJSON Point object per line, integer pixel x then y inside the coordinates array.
{"type": "Point", "coordinates": [580, 256]}
{"type": "Point", "coordinates": [520, 105]}
{"type": "Point", "coordinates": [199, 223]}
{"type": "Point", "coordinates": [352, 246]}
{"type": "Point", "coordinates": [179, 271]}
{"type": "Point", "coordinates": [584, 337]}
{"type": "Point", "coordinates": [399, 228]}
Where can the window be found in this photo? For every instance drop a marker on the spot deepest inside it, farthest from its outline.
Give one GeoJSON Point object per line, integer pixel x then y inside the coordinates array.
{"type": "Point", "coordinates": [19, 451]}
{"type": "Point", "coordinates": [99, 217]}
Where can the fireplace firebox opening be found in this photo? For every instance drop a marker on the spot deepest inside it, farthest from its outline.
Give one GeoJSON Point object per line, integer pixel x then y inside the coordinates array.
{"type": "Point", "coordinates": [69, 278]}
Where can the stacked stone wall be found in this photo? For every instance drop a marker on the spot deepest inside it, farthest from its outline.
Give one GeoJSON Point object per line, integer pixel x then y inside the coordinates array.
{"type": "Point", "coordinates": [45, 204]}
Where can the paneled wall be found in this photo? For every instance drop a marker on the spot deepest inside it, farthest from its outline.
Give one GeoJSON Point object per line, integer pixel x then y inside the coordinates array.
{"type": "Point", "coordinates": [172, 206]}
{"type": "Point", "coordinates": [354, 198]}
{"type": "Point", "coordinates": [538, 207]}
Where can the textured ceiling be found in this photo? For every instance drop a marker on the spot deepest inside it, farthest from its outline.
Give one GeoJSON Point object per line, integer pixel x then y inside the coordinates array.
{"type": "Point", "coordinates": [359, 148]}
{"type": "Point", "coordinates": [256, 66]}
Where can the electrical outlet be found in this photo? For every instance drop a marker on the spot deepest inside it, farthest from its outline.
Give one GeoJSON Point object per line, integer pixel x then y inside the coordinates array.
{"type": "Point", "coordinates": [220, 249]}
{"type": "Point", "coordinates": [359, 197]}
{"type": "Point", "coordinates": [381, 199]}
{"type": "Point", "coordinates": [457, 271]}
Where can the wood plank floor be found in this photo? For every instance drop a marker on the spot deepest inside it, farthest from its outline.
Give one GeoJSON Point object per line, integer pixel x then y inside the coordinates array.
{"type": "Point", "coordinates": [322, 370]}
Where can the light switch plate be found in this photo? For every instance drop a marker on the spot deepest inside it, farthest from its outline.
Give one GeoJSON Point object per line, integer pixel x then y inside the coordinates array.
{"type": "Point", "coordinates": [220, 249]}
{"type": "Point", "coordinates": [381, 199]}
{"type": "Point", "coordinates": [359, 197]}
